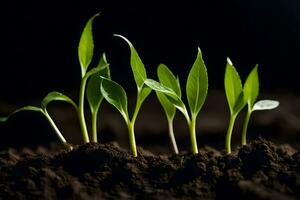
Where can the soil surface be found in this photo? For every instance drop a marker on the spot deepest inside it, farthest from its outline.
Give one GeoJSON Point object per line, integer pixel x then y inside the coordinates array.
{"type": "Point", "coordinates": [260, 170]}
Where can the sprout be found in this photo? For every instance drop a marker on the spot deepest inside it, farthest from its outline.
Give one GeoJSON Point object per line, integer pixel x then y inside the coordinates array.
{"type": "Point", "coordinates": [52, 96]}
{"type": "Point", "coordinates": [85, 54]}
{"type": "Point", "coordinates": [235, 99]}
{"type": "Point", "coordinates": [251, 91]}
{"type": "Point", "coordinates": [196, 91]}
{"type": "Point", "coordinates": [116, 95]}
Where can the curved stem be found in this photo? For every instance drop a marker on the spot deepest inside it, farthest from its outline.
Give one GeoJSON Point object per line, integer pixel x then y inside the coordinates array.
{"type": "Point", "coordinates": [229, 133]}
{"type": "Point", "coordinates": [192, 128]}
{"type": "Point", "coordinates": [81, 117]}
{"type": "Point", "coordinates": [57, 131]}
{"type": "Point", "coordinates": [132, 144]}
{"type": "Point", "coordinates": [172, 136]}
{"type": "Point", "coordinates": [245, 127]}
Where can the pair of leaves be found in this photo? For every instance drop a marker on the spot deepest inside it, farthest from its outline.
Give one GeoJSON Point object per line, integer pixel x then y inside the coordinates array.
{"type": "Point", "coordinates": [196, 88]}
{"type": "Point", "coordinates": [251, 92]}
{"type": "Point", "coordinates": [238, 96]}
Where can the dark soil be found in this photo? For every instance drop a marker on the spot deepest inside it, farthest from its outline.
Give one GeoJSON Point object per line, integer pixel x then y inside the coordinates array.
{"type": "Point", "coordinates": [260, 170]}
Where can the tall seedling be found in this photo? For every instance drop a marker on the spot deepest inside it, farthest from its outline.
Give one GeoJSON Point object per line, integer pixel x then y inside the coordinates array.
{"type": "Point", "coordinates": [116, 95]}
{"type": "Point", "coordinates": [235, 99]}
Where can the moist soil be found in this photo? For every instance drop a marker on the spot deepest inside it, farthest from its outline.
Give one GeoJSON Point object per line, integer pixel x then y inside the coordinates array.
{"type": "Point", "coordinates": [260, 170]}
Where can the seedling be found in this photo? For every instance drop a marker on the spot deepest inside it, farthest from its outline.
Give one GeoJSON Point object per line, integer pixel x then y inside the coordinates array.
{"type": "Point", "coordinates": [196, 91]}
{"type": "Point", "coordinates": [116, 95]}
{"type": "Point", "coordinates": [167, 78]}
{"type": "Point", "coordinates": [52, 96]}
{"type": "Point", "coordinates": [85, 54]}
{"type": "Point", "coordinates": [235, 99]}
{"type": "Point", "coordinates": [251, 91]}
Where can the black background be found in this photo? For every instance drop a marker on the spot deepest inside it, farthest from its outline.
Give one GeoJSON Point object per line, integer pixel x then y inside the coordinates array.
{"type": "Point", "coordinates": [39, 42]}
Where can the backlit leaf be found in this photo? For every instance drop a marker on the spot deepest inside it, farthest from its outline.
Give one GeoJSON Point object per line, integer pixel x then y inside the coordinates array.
{"type": "Point", "coordinates": [251, 87]}
{"type": "Point", "coordinates": [94, 95]}
{"type": "Point", "coordinates": [167, 78]}
{"type": "Point", "coordinates": [197, 84]}
{"type": "Point", "coordinates": [86, 46]}
{"type": "Point", "coordinates": [137, 66]}
{"type": "Point", "coordinates": [25, 108]}
{"type": "Point", "coordinates": [56, 96]}
{"type": "Point", "coordinates": [233, 88]}
{"type": "Point", "coordinates": [115, 95]}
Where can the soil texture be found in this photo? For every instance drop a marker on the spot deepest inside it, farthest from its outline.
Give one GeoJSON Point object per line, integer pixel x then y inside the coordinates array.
{"type": "Point", "coordinates": [260, 170]}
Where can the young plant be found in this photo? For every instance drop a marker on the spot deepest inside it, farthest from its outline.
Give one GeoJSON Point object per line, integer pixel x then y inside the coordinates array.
{"type": "Point", "coordinates": [94, 95]}
{"type": "Point", "coordinates": [251, 91]}
{"type": "Point", "coordinates": [52, 96]}
{"type": "Point", "coordinates": [116, 95]}
{"type": "Point", "coordinates": [196, 91]}
{"type": "Point", "coordinates": [235, 99]}
{"type": "Point", "coordinates": [85, 55]}
{"type": "Point", "coordinates": [167, 78]}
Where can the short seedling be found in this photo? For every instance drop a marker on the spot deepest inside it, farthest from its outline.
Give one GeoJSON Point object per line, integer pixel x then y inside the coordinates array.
{"type": "Point", "coordinates": [167, 78]}
{"type": "Point", "coordinates": [52, 96]}
{"type": "Point", "coordinates": [85, 54]}
{"type": "Point", "coordinates": [196, 91]}
{"type": "Point", "coordinates": [251, 91]}
{"type": "Point", "coordinates": [116, 95]}
{"type": "Point", "coordinates": [235, 98]}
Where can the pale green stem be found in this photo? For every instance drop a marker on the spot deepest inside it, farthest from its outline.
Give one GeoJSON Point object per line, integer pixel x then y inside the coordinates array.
{"type": "Point", "coordinates": [192, 128]}
{"type": "Point", "coordinates": [172, 136]}
{"type": "Point", "coordinates": [132, 144]}
{"type": "Point", "coordinates": [94, 126]}
{"type": "Point", "coordinates": [56, 130]}
{"type": "Point", "coordinates": [245, 127]}
{"type": "Point", "coordinates": [81, 117]}
{"type": "Point", "coordinates": [229, 133]}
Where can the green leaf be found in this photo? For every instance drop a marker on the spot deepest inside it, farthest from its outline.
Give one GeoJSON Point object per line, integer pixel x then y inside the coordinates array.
{"type": "Point", "coordinates": [251, 87]}
{"type": "Point", "coordinates": [144, 93]}
{"type": "Point", "coordinates": [233, 88]}
{"type": "Point", "coordinates": [56, 96]}
{"type": "Point", "coordinates": [265, 105]}
{"type": "Point", "coordinates": [168, 107]}
{"type": "Point", "coordinates": [137, 66]}
{"type": "Point", "coordinates": [167, 78]}
{"type": "Point", "coordinates": [25, 108]}
{"type": "Point", "coordinates": [197, 84]}
{"type": "Point", "coordinates": [86, 46]}
{"type": "Point", "coordinates": [94, 95]}
{"type": "Point", "coordinates": [115, 95]}
{"type": "Point", "coordinates": [170, 94]}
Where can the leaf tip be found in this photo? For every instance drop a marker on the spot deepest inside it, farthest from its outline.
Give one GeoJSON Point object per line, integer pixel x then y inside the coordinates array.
{"type": "Point", "coordinates": [229, 61]}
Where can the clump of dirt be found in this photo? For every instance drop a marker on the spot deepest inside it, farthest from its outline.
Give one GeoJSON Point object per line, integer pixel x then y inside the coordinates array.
{"type": "Point", "coordinates": [260, 170]}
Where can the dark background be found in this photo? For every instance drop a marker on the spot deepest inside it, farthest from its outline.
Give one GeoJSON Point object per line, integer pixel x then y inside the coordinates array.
{"type": "Point", "coordinates": [39, 42]}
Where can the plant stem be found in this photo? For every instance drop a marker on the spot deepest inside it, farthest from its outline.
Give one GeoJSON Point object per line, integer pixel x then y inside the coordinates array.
{"type": "Point", "coordinates": [58, 133]}
{"type": "Point", "coordinates": [229, 133]}
{"type": "Point", "coordinates": [245, 127]}
{"type": "Point", "coordinates": [81, 117]}
{"type": "Point", "coordinates": [172, 136]}
{"type": "Point", "coordinates": [94, 126]}
{"type": "Point", "coordinates": [192, 128]}
{"type": "Point", "coordinates": [132, 144]}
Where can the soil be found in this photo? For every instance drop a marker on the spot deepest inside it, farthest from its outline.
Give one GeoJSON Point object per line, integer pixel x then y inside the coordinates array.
{"type": "Point", "coordinates": [260, 170]}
